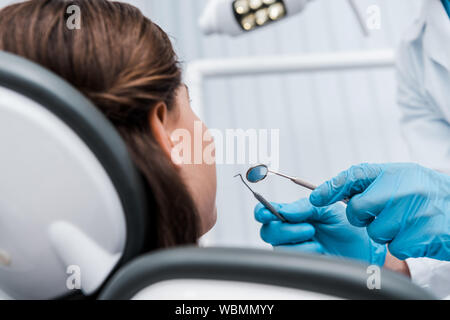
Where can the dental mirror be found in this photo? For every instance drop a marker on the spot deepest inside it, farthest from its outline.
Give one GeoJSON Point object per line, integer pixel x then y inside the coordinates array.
{"type": "Point", "coordinates": [260, 172]}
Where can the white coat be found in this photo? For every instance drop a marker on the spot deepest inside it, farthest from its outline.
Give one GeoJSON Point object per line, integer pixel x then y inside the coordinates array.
{"type": "Point", "coordinates": [424, 98]}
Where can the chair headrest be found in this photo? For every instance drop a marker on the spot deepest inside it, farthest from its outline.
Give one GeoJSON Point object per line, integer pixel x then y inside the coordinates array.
{"type": "Point", "coordinates": [213, 269]}
{"type": "Point", "coordinates": [71, 200]}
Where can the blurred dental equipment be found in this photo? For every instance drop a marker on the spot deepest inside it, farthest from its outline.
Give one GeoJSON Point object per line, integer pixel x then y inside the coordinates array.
{"type": "Point", "coordinates": [235, 17]}
{"type": "Point", "coordinates": [359, 18]}
{"type": "Point", "coordinates": [260, 172]}
{"type": "Point", "coordinates": [262, 200]}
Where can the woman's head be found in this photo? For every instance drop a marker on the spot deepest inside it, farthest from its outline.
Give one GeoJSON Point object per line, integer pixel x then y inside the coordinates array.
{"type": "Point", "coordinates": [126, 66]}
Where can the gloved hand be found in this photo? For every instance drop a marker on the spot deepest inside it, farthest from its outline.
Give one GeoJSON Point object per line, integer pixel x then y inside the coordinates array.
{"type": "Point", "coordinates": [318, 230]}
{"type": "Point", "coordinates": [405, 205]}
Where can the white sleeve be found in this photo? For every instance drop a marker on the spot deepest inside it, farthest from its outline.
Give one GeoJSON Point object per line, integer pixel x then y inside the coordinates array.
{"type": "Point", "coordinates": [432, 275]}
{"type": "Point", "coordinates": [426, 131]}
{"type": "Point", "coordinates": [428, 139]}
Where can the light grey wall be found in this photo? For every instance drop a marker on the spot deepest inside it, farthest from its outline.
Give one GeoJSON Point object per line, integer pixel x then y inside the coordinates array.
{"type": "Point", "coordinates": [327, 121]}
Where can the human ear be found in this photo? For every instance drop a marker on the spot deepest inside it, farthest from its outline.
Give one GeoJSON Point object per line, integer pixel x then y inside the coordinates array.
{"type": "Point", "coordinates": [159, 125]}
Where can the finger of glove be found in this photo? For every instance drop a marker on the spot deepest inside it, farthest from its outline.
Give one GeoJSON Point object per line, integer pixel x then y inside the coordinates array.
{"type": "Point", "coordinates": [347, 184]}
{"type": "Point", "coordinates": [299, 211]}
{"type": "Point", "coordinates": [309, 247]}
{"type": "Point", "coordinates": [278, 233]}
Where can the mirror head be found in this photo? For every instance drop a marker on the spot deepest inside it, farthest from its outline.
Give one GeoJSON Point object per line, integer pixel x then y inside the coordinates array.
{"type": "Point", "coordinates": [257, 173]}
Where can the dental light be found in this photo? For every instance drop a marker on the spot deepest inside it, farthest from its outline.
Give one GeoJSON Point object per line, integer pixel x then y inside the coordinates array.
{"type": "Point", "coordinates": [235, 17]}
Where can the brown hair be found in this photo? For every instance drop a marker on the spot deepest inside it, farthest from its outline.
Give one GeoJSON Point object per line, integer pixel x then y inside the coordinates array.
{"type": "Point", "coordinates": [125, 65]}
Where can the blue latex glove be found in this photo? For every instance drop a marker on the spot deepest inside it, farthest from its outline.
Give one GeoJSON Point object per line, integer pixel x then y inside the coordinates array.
{"type": "Point", "coordinates": [318, 230]}
{"type": "Point", "coordinates": [405, 205]}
